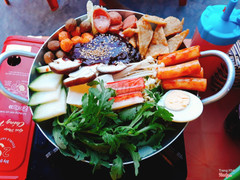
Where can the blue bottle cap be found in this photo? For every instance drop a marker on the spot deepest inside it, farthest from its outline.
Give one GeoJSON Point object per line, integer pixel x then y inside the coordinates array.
{"type": "Point", "coordinates": [220, 25]}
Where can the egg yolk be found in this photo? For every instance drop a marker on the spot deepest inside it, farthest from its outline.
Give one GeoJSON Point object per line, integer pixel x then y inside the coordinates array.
{"type": "Point", "coordinates": [177, 100]}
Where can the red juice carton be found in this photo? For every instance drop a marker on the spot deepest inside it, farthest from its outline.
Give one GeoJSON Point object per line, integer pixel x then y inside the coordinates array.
{"type": "Point", "coordinates": [217, 29]}
{"type": "Point", "coordinates": [16, 124]}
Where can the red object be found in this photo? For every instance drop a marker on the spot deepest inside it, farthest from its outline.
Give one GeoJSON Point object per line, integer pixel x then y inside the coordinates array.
{"type": "Point", "coordinates": [187, 83]}
{"type": "Point", "coordinates": [115, 4]}
{"type": "Point", "coordinates": [209, 64]}
{"type": "Point", "coordinates": [101, 20]}
{"type": "Point", "coordinates": [127, 86]}
{"type": "Point", "coordinates": [130, 22]}
{"type": "Point", "coordinates": [224, 9]}
{"type": "Point", "coordinates": [210, 152]}
{"type": "Point", "coordinates": [182, 2]}
{"type": "Point", "coordinates": [127, 99]}
{"type": "Point", "coordinates": [16, 125]}
{"type": "Point", "coordinates": [126, 96]}
{"type": "Point", "coordinates": [53, 4]}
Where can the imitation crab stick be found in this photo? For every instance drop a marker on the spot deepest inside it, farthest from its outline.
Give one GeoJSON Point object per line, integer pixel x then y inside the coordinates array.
{"type": "Point", "coordinates": [128, 85]}
{"type": "Point", "coordinates": [128, 99]}
{"type": "Point", "coordinates": [187, 83]}
{"type": "Point", "coordinates": [179, 70]}
{"type": "Point", "coordinates": [180, 56]}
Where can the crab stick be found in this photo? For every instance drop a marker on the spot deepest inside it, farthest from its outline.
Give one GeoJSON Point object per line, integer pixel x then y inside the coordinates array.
{"type": "Point", "coordinates": [128, 99]}
{"type": "Point", "coordinates": [180, 56]}
{"type": "Point", "coordinates": [179, 70]}
{"type": "Point", "coordinates": [187, 83]}
{"type": "Point", "coordinates": [126, 86]}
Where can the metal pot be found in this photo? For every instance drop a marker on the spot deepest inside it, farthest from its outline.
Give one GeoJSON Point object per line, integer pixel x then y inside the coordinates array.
{"type": "Point", "coordinates": [147, 151]}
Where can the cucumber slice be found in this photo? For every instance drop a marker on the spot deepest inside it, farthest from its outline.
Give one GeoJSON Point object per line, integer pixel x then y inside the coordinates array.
{"type": "Point", "coordinates": [46, 82]}
{"type": "Point", "coordinates": [50, 110]}
{"type": "Point", "coordinates": [43, 69]}
{"type": "Point", "coordinates": [44, 97]}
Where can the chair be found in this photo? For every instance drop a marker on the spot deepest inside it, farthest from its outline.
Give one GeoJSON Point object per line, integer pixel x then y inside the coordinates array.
{"type": "Point", "coordinates": [182, 2]}
{"type": "Point", "coordinates": [114, 4]}
{"type": "Point", "coordinates": [109, 4]}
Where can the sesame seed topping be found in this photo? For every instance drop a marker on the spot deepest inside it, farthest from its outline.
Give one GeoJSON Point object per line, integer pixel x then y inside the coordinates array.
{"type": "Point", "coordinates": [107, 49]}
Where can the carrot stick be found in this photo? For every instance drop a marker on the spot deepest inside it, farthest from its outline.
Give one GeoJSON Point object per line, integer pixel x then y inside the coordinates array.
{"type": "Point", "coordinates": [180, 56]}
{"type": "Point", "coordinates": [198, 84]}
{"type": "Point", "coordinates": [179, 70]}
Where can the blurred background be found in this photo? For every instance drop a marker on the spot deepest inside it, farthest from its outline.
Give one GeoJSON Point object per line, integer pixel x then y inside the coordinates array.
{"type": "Point", "coordinates": [31, 17]}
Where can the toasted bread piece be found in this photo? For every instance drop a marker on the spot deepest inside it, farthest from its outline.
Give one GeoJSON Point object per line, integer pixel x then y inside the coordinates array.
{"type": "Point", "coordinates": [174, 26]}
{"type": "Point", "coordinates": [145, 34]}
{"type": "Point", "coordinates": [154, 19]}
{"type": "Point", "coordinates": [158, 45]}
{"type": "Point", "coordinates": [176, 41]}
{"type": "Point", "coordinates": [129, 32]}
{"type": "Point", "coordinates": [133, 41]}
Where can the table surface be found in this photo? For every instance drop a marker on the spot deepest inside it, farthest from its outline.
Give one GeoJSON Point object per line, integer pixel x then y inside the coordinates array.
{"type": "Point", "coordinates": [208, 148]}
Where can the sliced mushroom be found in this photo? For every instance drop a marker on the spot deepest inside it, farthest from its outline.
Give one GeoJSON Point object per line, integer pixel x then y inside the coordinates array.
{"type": "Point", "coordinates": [61, 66]}
{"type": "Point", "coordinates": [111, 69]}
{"type": "Point", "coordinates": [84, 75]}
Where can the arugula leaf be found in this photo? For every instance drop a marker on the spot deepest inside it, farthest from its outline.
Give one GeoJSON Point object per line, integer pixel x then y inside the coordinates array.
{"type": "Point", "coordinates": [97, 133]}
{"type": "Point", "coordinates": [135, 156]}
{"type": "Point", "coordinates": [59, 138]}
{"type": "Point", "coordinates": [112, 140]}
{"type": "Point", "coordinates": [128, 114]}
{"type": "Point", "coordinates": [117, 168]}
{"type": "Point", "coordinates": [146, 106]}
{"type": "Point", "coordinates": [163, 113]}
{"type": "Point", "coordinates": [93, 83]}
{"type": "Point", "coordinates": [96, 159]}
{"type": "Point", "coordinates": [155, 93]}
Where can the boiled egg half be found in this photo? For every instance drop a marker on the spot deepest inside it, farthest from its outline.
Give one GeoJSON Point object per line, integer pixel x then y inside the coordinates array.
{"type": "Point", "coordinates": [182, 104]}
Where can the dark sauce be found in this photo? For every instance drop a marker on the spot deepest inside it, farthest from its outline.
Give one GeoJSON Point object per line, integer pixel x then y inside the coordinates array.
{"type": "Point", "coordinates": [107, 49]}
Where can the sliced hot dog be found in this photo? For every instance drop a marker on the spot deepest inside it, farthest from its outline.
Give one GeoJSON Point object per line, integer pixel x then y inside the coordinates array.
{"type": "Point", "coordinates": [130, 22]}
{"type": "Point", "coordinates": [115, 17]}
{"type": "Point", "coordinates": [116, 28]}
{"type": "Point", "coordinates": [101, 20]}
{"type": "Point", "coordinates": [198, 84]}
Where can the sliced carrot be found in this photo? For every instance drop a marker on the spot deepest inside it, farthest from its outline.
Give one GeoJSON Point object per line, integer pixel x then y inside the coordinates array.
{"type": "Point", "coordinates": [187, 83]}
{"type": "Point", "coordinates": [76, 39]}
{"type": "Point", "coordinates": [180, 56]}
{"type": "Point", "coordinates": [179, 70]}
{"type": "Point", "coordinates": [126, 100]}
{"type": "Point", "coordinates": [86, 37]}
{"type": "Point", "coordinates": [76, 32]}
{"type": "Point", "coordinates": [63, 35]}
{"type": "Point", "coordinates": [128, 85]}
{"type": "Point", "coordinates": [66, 45]}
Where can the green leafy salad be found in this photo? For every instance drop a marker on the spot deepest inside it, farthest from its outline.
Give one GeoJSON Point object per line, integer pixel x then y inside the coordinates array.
{"type": "Point", "coordinates": [105, 137]}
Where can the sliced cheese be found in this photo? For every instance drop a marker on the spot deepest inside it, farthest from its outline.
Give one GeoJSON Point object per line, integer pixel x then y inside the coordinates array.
{"type": "Point", "coordinates": [75, 94]}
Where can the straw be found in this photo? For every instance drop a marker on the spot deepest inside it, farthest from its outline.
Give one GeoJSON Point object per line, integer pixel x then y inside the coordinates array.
{"type": "Point", "coordinates": [229, 9]}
